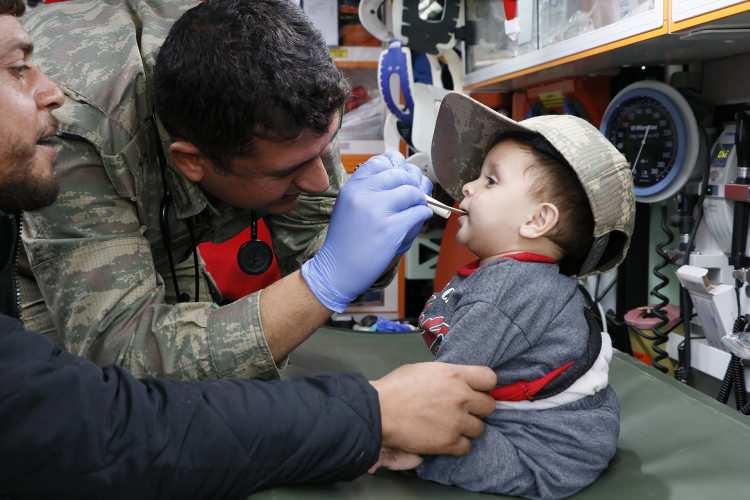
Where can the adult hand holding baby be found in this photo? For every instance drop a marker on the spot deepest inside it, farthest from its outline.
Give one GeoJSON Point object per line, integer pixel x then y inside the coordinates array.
{"type": "Point", "coordinates": [434, 408]}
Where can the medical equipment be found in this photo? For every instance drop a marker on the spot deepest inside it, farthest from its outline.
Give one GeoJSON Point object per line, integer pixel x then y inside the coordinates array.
{"type": "Point", "coordinates": [709, 277]}
{"type": "Point", "coordinates": [166, 236]}
{"type": "Point", "coordinates": [396, 62]}
{"type": "Point", "coordinates": [254, 256]}
{"type": "Point", "coordinates": [656, 129]}
{"type": "Point", "coordinates": [717, 274]}
{"type": "Point", "coordinates": [428, 26]}
{"type": "Point", "coordinates": [415, 117]}
{"type": "Point", "coordinates": [420, 56]}
{"type": "Point", "coordinates": [653, 125]}
{"type": "Point", "coordinates": [373, 14]}
{"type": "Point", "coordinates": [730, 161]}
{"type": "Point", "coordinates": [428, 35]}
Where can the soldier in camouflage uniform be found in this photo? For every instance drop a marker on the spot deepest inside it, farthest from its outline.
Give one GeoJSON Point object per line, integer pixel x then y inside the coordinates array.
{"type": "Point", "coordinates": [98, 279]}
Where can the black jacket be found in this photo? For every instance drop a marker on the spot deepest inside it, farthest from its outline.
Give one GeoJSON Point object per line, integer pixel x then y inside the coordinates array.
{"type": "Point", "coordinates": [9, 228]}
{"type": "Point", "coordinates": [69, 429]}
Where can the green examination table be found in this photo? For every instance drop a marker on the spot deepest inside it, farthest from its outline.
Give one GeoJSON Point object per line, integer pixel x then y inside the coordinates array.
{"type": "Point", "coordinates": [675, 443]}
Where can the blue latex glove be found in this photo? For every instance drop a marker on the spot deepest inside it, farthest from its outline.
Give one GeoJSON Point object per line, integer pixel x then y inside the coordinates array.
{"type": "Point", "coordinates": [377, 215]}
{"type": "Point", "coordinates": [424, 184]}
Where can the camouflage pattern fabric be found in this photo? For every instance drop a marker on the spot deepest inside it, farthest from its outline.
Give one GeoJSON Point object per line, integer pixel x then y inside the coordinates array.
{"type": "Point", "coordinates": [97, 254]}
{"type": "Point", "coordinates": [466, 130]}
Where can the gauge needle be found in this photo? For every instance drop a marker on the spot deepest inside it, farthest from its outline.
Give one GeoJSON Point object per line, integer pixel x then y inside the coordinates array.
{"type": "Point", "coordinates": [638, 156]}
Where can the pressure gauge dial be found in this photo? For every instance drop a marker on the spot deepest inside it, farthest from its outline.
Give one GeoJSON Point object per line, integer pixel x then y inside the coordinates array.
{"type": "Point", "coordinates": [653, 126]}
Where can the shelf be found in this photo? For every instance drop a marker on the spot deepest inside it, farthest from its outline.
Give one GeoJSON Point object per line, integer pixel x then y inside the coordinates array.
{"type": "Point", "coordinates": [645, 38]}
{"type": "Point", "coordinates": [727, 34]}
{"type": "Point", "coordinates": [690, 13]}
{"type": "Point", "coordinates": [627, 31]}
{"type": "Point", "coordinates": [356, 57]}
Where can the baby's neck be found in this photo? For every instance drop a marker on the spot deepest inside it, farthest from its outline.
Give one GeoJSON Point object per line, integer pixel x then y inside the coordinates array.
{"type": "Point", "coordinates": [541, 246]}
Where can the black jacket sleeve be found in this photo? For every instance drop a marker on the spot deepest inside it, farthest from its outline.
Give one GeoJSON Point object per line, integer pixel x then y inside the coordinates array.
{"type": "Point", "coordinates": [69, 429]}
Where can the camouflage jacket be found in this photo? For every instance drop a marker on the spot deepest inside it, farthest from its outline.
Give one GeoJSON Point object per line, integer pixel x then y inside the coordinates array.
{"type": "Point", "coordinates": [97, 255]}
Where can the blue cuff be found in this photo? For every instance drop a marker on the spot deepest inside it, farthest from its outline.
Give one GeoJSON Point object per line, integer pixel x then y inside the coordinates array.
{"type": "Point", "coordinates": [325, 295]}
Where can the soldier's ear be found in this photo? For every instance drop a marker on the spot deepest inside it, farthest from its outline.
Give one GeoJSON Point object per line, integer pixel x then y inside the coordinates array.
{"type": "Point", "coordinates": [189, 160]}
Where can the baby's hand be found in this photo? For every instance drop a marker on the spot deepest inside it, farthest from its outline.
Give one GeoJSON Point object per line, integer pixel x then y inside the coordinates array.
{"type": "Point", "coordinates": [394, 459]}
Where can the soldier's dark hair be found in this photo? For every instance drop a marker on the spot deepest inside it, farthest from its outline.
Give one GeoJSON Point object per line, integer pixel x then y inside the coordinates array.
{"type": "Point", "coordinates": [234, 70]}
{"type": "Point", "coordinates": [554, 181]}
{"type": "Point", "coordinates": [12, 7]}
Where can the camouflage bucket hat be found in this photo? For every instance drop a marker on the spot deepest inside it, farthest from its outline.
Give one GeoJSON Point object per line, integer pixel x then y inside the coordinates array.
{"type": "Point", "coordinates": [466, 130]}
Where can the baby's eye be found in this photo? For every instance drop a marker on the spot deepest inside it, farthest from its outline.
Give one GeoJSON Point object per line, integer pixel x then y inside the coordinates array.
{"type": "Point", "coordinates": [490, 181]}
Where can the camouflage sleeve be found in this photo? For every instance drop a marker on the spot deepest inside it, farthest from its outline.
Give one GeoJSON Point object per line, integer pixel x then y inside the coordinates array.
{"type": "Point", "coordinates": [96, 272]}
{"type": "Point", "coordinates": [297, 235]}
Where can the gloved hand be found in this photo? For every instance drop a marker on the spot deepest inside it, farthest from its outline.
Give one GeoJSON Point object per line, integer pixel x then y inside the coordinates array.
{"type": "Point", "coordinates": [425, 184]}
{"type": "Point", "coordinates": [377, 215]}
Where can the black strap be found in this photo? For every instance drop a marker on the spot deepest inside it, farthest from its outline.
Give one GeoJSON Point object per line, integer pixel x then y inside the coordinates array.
{"type": "Point", "coordinates": [587, 359]}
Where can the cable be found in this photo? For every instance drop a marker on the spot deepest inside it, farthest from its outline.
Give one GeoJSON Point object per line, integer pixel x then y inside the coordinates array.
{"type": "Point", "coordinates": [166, 233]}
{"type": "Point", "coordinates": [196, 276]}
{"type": "Point", "coordinates": [659, 338]}
{"type": "Point", "coordinates": [736, 368]}
{"type": "Point", "coordinates": [606, 290]}
{"type": "Point", "coordinates": [603, 316]}
{"type": "Point", "coordinates": [686, 304]}
{"type": "Point", "coordinates": [740, 391]}
{"type": "Point", "coordinates": [596, 288]}
{"type": "Point", "coordinates": [725, 388]}
{"type": "Point", "coordinates": [734, 377]}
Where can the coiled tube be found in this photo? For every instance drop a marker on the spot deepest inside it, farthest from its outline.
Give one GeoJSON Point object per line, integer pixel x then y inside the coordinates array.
{"type": "Point", "coordinates": [660, 336]}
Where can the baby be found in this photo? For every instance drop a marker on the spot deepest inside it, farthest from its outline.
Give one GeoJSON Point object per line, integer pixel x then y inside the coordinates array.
{"type": "Point", "coordinates": [549, 199]}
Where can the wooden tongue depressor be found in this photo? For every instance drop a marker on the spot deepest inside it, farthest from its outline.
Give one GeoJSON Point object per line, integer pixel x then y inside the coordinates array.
{"type": "Point", "coordinates": [442, 209]}
{"type": "Point", "coordinates": [423, 162]}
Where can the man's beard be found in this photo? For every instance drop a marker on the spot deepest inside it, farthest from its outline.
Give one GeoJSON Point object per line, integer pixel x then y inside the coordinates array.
{"type": "Point", "coordinates": [21, 188]}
